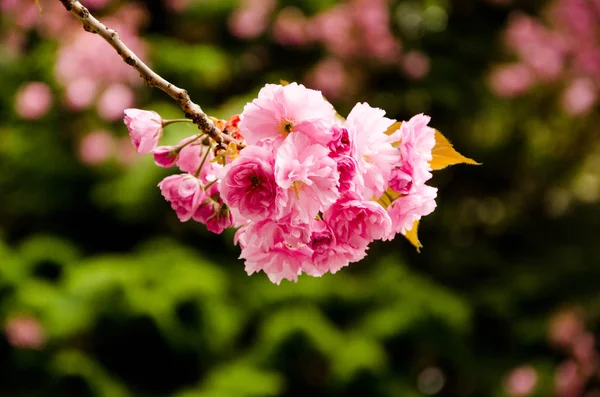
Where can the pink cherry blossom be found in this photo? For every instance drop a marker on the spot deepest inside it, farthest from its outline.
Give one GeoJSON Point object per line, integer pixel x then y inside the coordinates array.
{"type": "Point", "coordinates": [249, 184]}
{"type": "Point", "coordinates": [406, 210]}
{"type": "Point", "coordinates": [357, 222]}
{"type": "Point", "coordinates": [281, 110]}
{"type": "Point", "coordinates": [264, 248]}
{"type": "Point", "coordinates": [309, 176]}
{"type": "Point", "coordinates": [303, 191]}
{"type": "Point", "coordinates": [145, 129]}
{"type": "Point", "coordinates": [340, 141]}
{"type": "Point", "coordinates": [416, 143]}
{"type": "Point", "coordinates": [190, 157]}
{"type": "Point", "coordinates": [215, 215]}
{"type": "Point", "coordinates": [350, 179]}
{"type": "Point", "coordinates": [191, 153]}
{"type": "Point", "coordinates": [213, 212]}
{"type": "Point", "coordinates": [330, 254]}
{"type": "Point", "coordinates": [185, 193]}
{"type": "Point", "coordinates": [373, 149]}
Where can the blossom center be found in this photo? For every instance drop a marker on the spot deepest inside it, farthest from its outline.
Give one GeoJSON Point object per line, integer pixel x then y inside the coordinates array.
{"type": "Point", "coordinates": [297, 186]}
{"type": "Point", "coordinates": [286, 126]}
{"type": "Point", "coordinates": [255, 181]}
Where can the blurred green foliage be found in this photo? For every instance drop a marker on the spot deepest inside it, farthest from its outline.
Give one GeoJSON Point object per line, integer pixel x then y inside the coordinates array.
{"type": "Point", "coordinates": [133, 303]}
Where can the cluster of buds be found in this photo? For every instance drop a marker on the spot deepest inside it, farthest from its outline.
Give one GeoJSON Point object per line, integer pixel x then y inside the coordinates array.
{"type": "Point", "coordinates": [310, 190]}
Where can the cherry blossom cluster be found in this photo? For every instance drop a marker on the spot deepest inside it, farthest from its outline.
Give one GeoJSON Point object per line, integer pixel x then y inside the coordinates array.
{"type": "Point", "coordinates": [310, 190]}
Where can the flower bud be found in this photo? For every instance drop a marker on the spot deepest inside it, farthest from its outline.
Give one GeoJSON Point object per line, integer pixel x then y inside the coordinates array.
{"type": "Point", "coordinates": [184, 192]}
{"type": "Point", "coordinates": [145, 129]}
{"type": "Point", "coordinates": [165, 156]}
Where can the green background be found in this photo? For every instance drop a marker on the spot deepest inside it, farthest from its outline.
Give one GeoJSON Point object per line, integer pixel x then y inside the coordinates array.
{"type": "Point", "coordinates": [134, 303]}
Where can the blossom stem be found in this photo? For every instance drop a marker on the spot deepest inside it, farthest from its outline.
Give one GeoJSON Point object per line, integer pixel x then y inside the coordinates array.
{"type": "Point", "coordinates": [208, 149]}
{"type": "Point", "coordinates": [191, 110]}
{"type": "Point", "coordinates": [198, 136]}
{"type": "Point", "coordinates": [210, 184]}
{"type": "Point", "coordinates": [389, 196]}
{"type": "Point", "coordinates": [167, 122]}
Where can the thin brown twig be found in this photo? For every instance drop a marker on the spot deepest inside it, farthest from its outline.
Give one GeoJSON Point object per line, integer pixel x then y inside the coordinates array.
{"type": "Point", "coordinates": [191, 110]}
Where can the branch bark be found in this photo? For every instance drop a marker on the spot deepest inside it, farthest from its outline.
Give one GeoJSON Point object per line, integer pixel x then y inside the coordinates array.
{"type": "Point", "coordinates": [191, 110]}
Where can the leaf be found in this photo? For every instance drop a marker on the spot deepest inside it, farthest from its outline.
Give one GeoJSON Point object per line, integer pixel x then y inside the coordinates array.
{"type": "Point", "coordinates": [393, 128]}
{"type": "Point", "coordinates": [444, 154]}
{"type": "Point", "coordinates": [388, 197]}
{"type": "Point", "coordinates": [411, 235]}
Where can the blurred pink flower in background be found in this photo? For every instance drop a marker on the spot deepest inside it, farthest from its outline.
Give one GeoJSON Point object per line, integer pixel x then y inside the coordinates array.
{"type": "Point", "coordinates": [568, 381]}
{"type": "Point", "coordinates": [567, 330]}
{"type": "Point", "coordinates": [333, 28]}
{"type": "Point", "coordinates": [126, 153]}
{"type": "Point", "coordinates": [289, 27]}
{"type": "Point", "coordinates": [95, 3]}
{"type": "Point", "coordinates": [33, 100]}
{"type": "Point", "coordinates": [96, 147]}
{"type": "Point", "coordinates": [580, 96]}
{"type": "Point", "coordinates": [87, 66]}
{"type": "Point", "coordinates": [13, 42]}
{"type": "Point", "coordinates": [25, 332]}
{"type": "Point", "coordinates": [177, 5]}
{"type": "Point", "coordinates": [90, 57]}
{"type": "Point", "coordinates": [251, 19]}
{"type": "Point", "coordinates": [521, 381]}
{"type": "Point", "coordinates": [349, 30]}
{"type": "Point", "coordinates": [330, 77]}
{"type": "Point", "coordinates": [565, 45]}
{"type": "Point", "coordinates": [81, 92]}
{"type": "Point", "coordinates": [90, 69]}
{"type": "Point", "coordinates": [416, 64]}
{"type": "Point", "coordinates": [565, 327]}
{"type": "Point", "coordinates": [114, 100]}
{"type": "Point", "coordinates": [24, 13]}
{"type": "Point", "coordinates": [511, 80]}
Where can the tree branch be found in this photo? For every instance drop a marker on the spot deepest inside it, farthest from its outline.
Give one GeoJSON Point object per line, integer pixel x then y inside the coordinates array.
{"type": "Point", "coordinates": [191, 110]}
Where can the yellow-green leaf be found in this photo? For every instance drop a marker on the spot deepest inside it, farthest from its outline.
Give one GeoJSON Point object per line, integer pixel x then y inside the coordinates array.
{"type": "Point", "coordinates": [388, 197]}
{"type": "Point", "coordinates": [393, 128]}
{"type": "Point", "coordinates": [411, 235]}
{"type": "Point", "coordinates": [444, 154]}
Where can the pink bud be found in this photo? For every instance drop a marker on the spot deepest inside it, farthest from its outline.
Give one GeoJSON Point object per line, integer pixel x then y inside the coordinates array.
{"type": "Point", "coordinates": [145, 129]}
{"type": "Point", "coordinates": [215, 215]}
{"type": "Point", "coordinates": [184, 192]}
{"type": "Point", "coordinates": [165, 156]}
